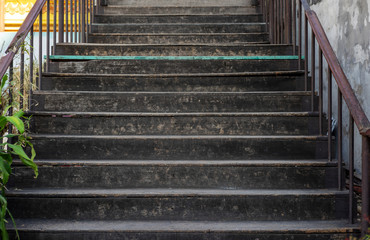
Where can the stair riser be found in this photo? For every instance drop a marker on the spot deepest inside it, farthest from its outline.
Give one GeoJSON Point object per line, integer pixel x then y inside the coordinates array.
{"type": "Point", "coordinates": [174, 84]}
{"type": "Point", "coordinates": [179, 19]}
{"type": "Point", "coordinates": [177, 39]}
{"type": "Point", "coordinates": [174, 125]}
{"type": "Point", "coordinates": [195, 208]}
{"type": "Point", "coordinates": [178, 28]}
{"type": "Point", "coordinates": [105, 50]}
{"type": "Point", "coordinates": [172, 66]}
{"type": "Point", "coordinates": [181, 176]}
{"type": "Point", "coordinates": [193, 3]}
{"type": "Point", "coordinates": [235, 235]}
{"type": "Point", "coordinates": [179, 10]}
{"type": "Point", "coordinates": [182, 102]}
{"type": "Point", "coordinates": [178, 148]}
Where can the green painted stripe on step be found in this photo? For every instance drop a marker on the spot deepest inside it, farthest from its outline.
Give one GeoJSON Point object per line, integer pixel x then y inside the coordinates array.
{"type": "Point", "coordinates": [75, 57]}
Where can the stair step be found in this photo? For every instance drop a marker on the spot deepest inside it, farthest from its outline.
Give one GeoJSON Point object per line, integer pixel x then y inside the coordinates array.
{"type": "Point", "coordinates": [273, 81]}
{"type": "Point", "coordinates": [54, 229]}
{"type": "Point", "coordinates": [180, 147]}
{"type": "Point", "coordinates": [125, 10]}
{"type": "Point", "coordinates": [151, 38]}
{"type": "Point", "coordinates": [176, 18]}
{"type": "Point", "coordinates": [304, 174]}
{"type": "Point", "coordinates": [174, 66]}
{"type": "Point", "coordinates": [172, 50]}
{"type": "Point", "coordinates": [179, 204]}
{"type": "Point", "coordinates": [178, 28]}
{"type": "Point", "coordinates": [110, 123]}
{"type": "Point", "coordinates": [172, 101]}
{"type": "Point", "coordinates": [192, 3]}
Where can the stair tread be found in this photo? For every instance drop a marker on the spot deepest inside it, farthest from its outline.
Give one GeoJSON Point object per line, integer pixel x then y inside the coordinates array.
{"type": "Point", "coordinates": [334, 226]}
{"type": "Point", "coordinates": [178, 14]}
{"type": "Point", "coordinates": [175, 45]}
{"type": "Point", "coordinates": [169, 114]}
{"type": "Point", "coordinates": [267, 73]}
{"type": "Point", "coordinates": [303, 93]}
{"type": "Point", "coordinates": [206, 137]}
{"type": "Point", "coordinates": [221, 163]}
{"type": "Point", "coordinates": [157, 192]}
{"type": "Point", "coordinates": [178, 24]}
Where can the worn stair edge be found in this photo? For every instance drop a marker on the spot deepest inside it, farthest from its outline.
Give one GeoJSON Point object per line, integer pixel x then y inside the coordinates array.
{"type": "Point", "coordinates": [267, 73]}
{"type": "Point", "coordinates": [200, 163]}
{"type": "Point", "coordinates": [171, 193]}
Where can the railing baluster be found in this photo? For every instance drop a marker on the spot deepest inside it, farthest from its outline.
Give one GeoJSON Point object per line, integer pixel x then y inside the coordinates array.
{"type": "Point", "coordinates": [10, 111]}
{"type": "Point", "coordinates": [271, 24]}
{"type": "Point", "coordinates": [55, 25]}
{"type": "Point", "coordinates": [340, 141]}
{"type": "Point", "coordinates": [31, 68]}
{"type": "Point", "coordinates": [306, 52]}
{"type": "Point", "coordinates": [300, 36]}
{"type": "Point", "coordinates": [66, 27]}
{"type": "Point", "coordinates": [71, 17]}
{"type": "Point", "coordinates": [365, 220]}
{"type": "Point", "coordinates": [313, 70]}
{"type": "Point", "coordinates": [76, 23]}
{"type": "Point", "coordinates": [61, 21]}
{"type": "Point", "coordinates": [351, 168]}
{"type": "Point", "coordinates": [294, 27]}
{"type": "Point", "coordinates": [321, 107]}
{"type": "Point", "coordinates": [21, 77]}
{"type": "Point", "coordinates": [329, 114]}
{"type": "Point", "coordinates": [40, 51]}
{"type": "Point", "coordinates": [83, 24]}
{"type": "Point", "coordinates": [47, 35]}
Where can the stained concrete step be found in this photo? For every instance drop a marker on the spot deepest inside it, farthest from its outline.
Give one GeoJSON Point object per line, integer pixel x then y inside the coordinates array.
{"type": "Point", "coordinates": [242, 82]}
{"type": "Point", "coordinates": [184, 10]}
{"type": "Point", "coordinates": [172, 101]}
{"type": "Point", "coordinates": [192, 3]}
{"type": "Point", "coordinates": [177, 18]}
{"type": "Point", "coordinates": [179, 147]}
{"type": "Point", "coordinates": [166, 66]}
{"type": "Point", "coordinates": [110, 123]}
{"type": "Point", "coordinates": [177, 38]}
{"type": "Point", "coordinates": [54, 229]}
{"type": "Point", "coordinates": [179, 204]}
{"type": "Point", "coordinates": [172, 50]}
{"type": "Point", "coordinates": [304, 174]}
{"type": "Point", "coordinates": [178, 28]}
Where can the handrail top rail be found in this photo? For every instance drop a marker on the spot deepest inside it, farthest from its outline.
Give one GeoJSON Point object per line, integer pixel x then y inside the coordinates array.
{"type": "Point", "coordinates": [358, 114]}
{"type": "Point", "coordinates": [19, 37]}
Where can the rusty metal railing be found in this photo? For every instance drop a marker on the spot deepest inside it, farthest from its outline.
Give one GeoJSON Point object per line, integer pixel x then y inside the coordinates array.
{"type": "Point", "coordinates": [288, 22]}
{"type": "Point", "coordinates": [71, 22]}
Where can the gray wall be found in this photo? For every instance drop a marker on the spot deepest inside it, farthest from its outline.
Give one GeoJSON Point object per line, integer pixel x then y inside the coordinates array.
{"type": "Point", "coordinates": [347, 24]}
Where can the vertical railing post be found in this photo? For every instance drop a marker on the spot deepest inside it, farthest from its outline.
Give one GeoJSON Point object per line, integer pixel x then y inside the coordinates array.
{"type": "Point", "coordinates": [300, 35]}
{"type": "Point", "coordinates": [83, 24]}
{"type": "Point", "coordinates": [313, 69]}
{"type": "Point", "coordinates": [329, 115]}
{"type": "Point", "coordinates": [40, 51]}
{"type": "Point", "coordinates": [340, 141]}
{"type": "Point", "coordinates": [21, 78]}
{"type": "Point", "coordinates": [55, 25]}
{"type": "Point", "coordinates": [31, 69]}
{"type": "Point", "coordinates": [321, 97]}
{"type": "Point", "coordinates": [305, 52]}
{"type": "Point", "coordinates": [351, 168]}
{"type": "Point", "coordinates": [365, 218]}
{"type": "Point", "coordinates": [271, 25]}
{"type": "Point", "coordinates": [61, 21]}
{"type": "Point", "coordinates": [47, 35]}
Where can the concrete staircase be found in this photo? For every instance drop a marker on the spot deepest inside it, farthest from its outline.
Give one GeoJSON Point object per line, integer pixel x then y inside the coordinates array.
{"type": "Point", "coordinates": [178, 120]}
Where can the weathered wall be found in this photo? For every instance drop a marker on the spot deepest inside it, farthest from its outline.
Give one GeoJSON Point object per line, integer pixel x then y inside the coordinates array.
{"type": "Point", "coordinates": [347, 24]}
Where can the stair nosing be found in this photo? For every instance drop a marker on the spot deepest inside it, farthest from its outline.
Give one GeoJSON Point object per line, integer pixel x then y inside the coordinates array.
{"type": "Point", "coordinates": [165, 192]}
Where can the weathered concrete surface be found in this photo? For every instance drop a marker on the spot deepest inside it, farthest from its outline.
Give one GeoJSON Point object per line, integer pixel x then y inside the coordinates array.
{"type": "Point", "coordinates": [347, 24]}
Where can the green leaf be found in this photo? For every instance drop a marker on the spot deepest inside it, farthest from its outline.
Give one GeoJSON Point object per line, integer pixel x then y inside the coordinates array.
{"type": "Point", "coordinates": [18, 123]}
{"type": "Point", "coordinates": [11, 135]}
{"type": "Point", "coordinates": [31, 164]}
{"type": "Point", "coordinates": [18, 114]}
{"type": "Point", "coordinates": [7, 157]}
{"type": "Point", "coordinates": [3, 81]}
{"type": "Point", "coordinates": [15, 227]}
{"type": "Point", "coordinates": [5, 170]}
{"type": "Point", "coordinates": [3, 122]}
{"type": "Point", "coordinates": [18, 150]}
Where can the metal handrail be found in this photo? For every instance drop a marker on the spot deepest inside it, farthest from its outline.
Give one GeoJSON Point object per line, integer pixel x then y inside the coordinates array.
{"type": "Point", "coordinates": [74, 21]}
{"type": "Point", "coordinates": [284, 21]}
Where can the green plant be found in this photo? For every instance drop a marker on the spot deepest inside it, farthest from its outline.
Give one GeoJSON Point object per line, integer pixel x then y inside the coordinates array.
{"type": "Point", "coordinates": [13, 144]}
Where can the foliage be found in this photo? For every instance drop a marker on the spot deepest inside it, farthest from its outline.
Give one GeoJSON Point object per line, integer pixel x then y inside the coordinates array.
{"type": "Point", "coordinates": [12, 145]}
